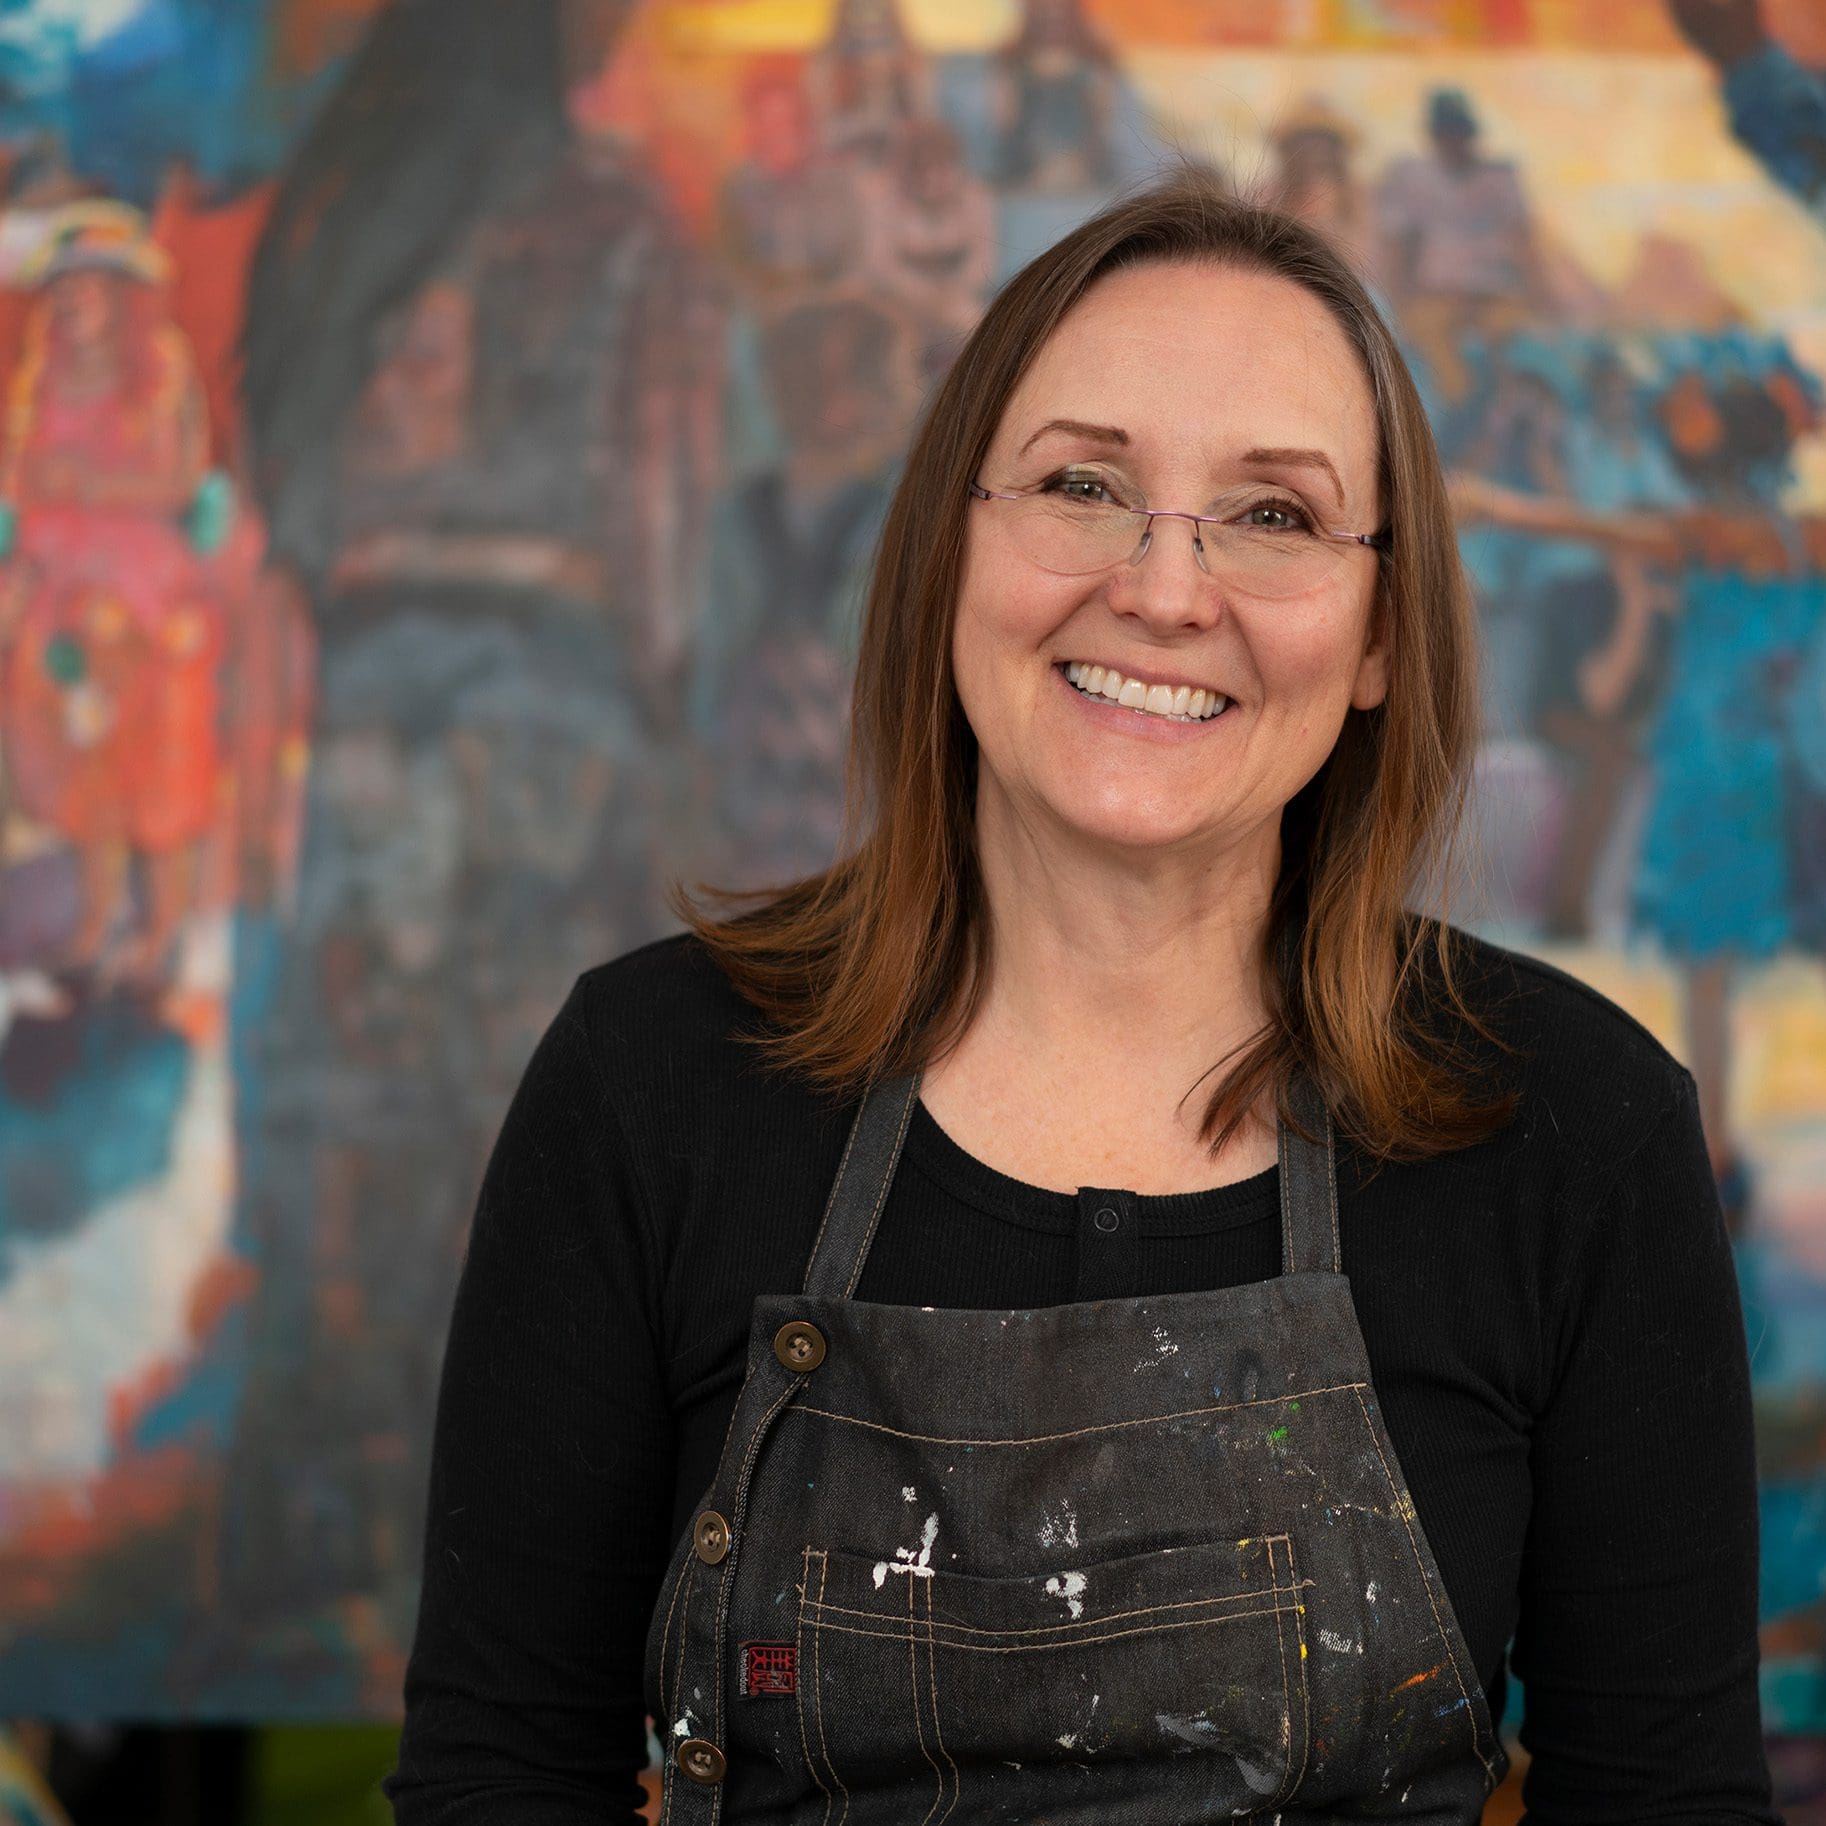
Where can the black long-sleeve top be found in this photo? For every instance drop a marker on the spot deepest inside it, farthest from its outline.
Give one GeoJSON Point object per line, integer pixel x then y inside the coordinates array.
{"type": "Point", "coordinates": [1551, 1316]}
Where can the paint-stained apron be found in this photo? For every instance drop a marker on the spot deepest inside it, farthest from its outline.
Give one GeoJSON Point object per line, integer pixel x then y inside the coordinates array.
{"type": "Point", "coordinates": [1133, 1562]}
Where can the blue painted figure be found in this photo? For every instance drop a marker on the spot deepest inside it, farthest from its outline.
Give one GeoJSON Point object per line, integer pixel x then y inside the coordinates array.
{"type": "Point", "coordinates": [1715, 885]}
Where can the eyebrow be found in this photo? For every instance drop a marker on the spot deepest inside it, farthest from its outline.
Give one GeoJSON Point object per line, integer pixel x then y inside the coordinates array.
{"type": "Point", "coordinates": [1287, 456]}
{"type": "Point", "coordinates": [1299, 459]}
{"type": "Point", "coordinates": [1102, 434]}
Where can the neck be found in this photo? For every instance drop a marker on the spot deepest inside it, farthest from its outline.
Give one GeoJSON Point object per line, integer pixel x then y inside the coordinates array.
{"type": "Point", "coordinates": [1134, 972]}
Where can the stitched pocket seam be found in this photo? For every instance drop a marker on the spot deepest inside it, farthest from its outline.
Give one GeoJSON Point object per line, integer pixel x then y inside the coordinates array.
{"type": "Point", "coordinates": [800, 1664]}
{"type": "Point", "coordinates": [1067, 1629]}
{"type": "Point", "coordinates": [1293, 1777]}
{"type": "Point", "coordinates": [1024, 1648]}
{"type": "Point", "coordinates": [957, 1783]}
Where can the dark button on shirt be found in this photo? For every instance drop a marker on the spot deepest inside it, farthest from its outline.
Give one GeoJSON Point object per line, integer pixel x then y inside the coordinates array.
{"type": "Point", "coordinates": [1107, 1235]}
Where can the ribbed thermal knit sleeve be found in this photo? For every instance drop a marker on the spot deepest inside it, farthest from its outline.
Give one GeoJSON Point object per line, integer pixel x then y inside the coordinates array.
{"type": "Point", "coordinates": [547, 1521]}
{"type": "Point", "coordinates": [1637, 1638]}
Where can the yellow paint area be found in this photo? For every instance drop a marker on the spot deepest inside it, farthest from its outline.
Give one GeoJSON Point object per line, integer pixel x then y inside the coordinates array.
{"type": "Point", "coordinates": [1619, 26]}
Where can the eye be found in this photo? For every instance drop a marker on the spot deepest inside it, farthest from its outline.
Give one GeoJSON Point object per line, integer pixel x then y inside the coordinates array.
{"type": "Point", "coordinates": [1085, 485]}
{"type": "Point", "coordinates": [1275, 515]}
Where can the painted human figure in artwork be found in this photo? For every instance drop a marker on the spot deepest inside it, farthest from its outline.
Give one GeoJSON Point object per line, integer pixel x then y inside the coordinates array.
{"type": "Point", "coordinates": [111, 627]}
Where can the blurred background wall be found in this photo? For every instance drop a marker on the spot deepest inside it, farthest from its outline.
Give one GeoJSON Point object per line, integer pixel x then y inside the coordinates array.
{"type": "Point", "coordinates": [441, 444]}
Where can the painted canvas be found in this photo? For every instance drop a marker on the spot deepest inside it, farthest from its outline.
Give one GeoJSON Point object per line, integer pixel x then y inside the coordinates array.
{"type": "Point", "coordinates": [441, 449]}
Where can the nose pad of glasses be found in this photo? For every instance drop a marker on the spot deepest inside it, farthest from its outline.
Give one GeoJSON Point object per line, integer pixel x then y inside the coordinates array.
{"type": "Point", "coordinates": [1198, 544]}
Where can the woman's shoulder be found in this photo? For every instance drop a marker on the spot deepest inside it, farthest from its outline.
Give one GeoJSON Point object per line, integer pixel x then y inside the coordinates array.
{"type": "Point", "coordinates": [671, 976]}
{"type": "Point", "coordinates": [1588, 1074]}
{"type": "Point", "coordinates": [663, 1000]}
{"type": "Point", "coordinates": [706, 1121]}
{"type": "Point", "coordinates": [673, 1039]}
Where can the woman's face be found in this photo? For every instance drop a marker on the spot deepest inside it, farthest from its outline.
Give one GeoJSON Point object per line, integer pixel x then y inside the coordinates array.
{"type": "Point", "coordinates": [86, 302]}
{"type": "Point", "coordinates": [1220, 379]}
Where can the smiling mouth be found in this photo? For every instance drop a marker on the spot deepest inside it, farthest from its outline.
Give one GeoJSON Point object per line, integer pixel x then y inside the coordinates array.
{"type": "Point", "coordinates": [1173, 703]}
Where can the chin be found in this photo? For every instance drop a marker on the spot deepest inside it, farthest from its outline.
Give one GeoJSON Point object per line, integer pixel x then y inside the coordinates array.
{"type": "Point", "coordinates": [1133, 828]}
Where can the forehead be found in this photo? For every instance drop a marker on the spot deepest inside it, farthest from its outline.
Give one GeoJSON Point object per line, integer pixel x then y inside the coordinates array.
{"type": "Point", "coordinates": [1197, 364]}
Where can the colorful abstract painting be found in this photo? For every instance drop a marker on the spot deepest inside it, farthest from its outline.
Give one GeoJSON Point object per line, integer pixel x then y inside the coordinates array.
{"type": "Point", "coordinates": [441, 447]}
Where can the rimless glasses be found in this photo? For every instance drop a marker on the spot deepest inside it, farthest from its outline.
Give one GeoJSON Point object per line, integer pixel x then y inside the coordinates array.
{"type": "Point", "coordinates": [1262, 542]}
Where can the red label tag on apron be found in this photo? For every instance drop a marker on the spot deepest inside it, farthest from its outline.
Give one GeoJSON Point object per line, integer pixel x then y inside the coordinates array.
{"type": "Point", "coordinates": [770, 1670]}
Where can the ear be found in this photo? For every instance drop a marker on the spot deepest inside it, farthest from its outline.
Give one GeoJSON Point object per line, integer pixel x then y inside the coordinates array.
{"type": "Point", "coordinates": [1371, 684]}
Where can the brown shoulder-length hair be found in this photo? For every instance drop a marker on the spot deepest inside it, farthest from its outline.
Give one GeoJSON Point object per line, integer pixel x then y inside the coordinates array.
{"type": "Point", "coordinates": [878, 963]}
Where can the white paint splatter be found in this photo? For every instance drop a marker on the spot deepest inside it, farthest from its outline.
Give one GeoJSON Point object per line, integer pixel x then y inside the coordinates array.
{"type": "Point", "coordinates": [907, 1494]}
{"type": "Point", "coordinates": [1067, 1741]}
{"type": "Point", "coordinates": [1081, 1738]}
{"type": "Point", "coordinates": [916, 1562]}
{"type": "Point", "coordinates": [1264, 1780]}
{"type": "Point", "coordinates": [1369, 1591]}
{"type": "Point", "coordinates": [1164, 1347]}
{"type": "Point", "coordinates": [1060, 1530]}
{"type": "Point", "coordinates": [1194, 1730]}
{"type": "Point", "coordinates": [1068, 1586]}
{"type": "Point", "coordinates": [1341, 1645]}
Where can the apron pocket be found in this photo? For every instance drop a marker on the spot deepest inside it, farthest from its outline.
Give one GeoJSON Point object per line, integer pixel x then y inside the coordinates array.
{"type": "Point", "coordinates": [1187, 1659]}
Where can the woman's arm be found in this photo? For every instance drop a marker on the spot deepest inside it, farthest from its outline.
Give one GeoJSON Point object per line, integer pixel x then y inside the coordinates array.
{"type": "Point", "coordinates": [1606, 675]}
{"type": "Point", "coordinates": [551, 1481]}
{"type": "Point", "coordinates": [1475, 499]}
{"type": "Point", "coordinates": [1637, 1641]}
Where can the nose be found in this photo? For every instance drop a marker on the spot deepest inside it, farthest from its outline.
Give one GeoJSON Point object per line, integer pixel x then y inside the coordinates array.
{"type": "Point", "coordinates": [1167, 581]}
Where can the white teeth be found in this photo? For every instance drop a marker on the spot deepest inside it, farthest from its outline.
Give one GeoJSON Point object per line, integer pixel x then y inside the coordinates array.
{"type": "Point", "coordinates": [1182, 703]}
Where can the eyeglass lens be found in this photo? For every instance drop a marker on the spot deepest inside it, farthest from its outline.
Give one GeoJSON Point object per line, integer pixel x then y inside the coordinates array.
{"type": "Point", "coordinates": [1073, 538]}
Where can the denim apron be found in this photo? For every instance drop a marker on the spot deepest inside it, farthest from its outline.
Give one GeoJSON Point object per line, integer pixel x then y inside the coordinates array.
{"type": "Point", "coordinates": [1129, 1562]}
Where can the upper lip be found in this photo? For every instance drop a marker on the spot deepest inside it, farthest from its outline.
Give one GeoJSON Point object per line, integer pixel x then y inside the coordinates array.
{"type": "Point", "coordinates": [1172, 684]}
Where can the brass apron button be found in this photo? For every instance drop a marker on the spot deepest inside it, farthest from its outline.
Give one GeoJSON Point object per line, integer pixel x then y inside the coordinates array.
{"type": "Point", "coordinates": [701, 1760]}
{"type": "Point", "coordinates": [711, 1538]}
{"type": "Point", "coordinates": [798, 1345]}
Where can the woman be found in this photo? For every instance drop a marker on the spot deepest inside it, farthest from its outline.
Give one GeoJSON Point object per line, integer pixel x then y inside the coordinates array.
{"type": "Point", "coordinates": [1063, 1474]}
{"type": "Point", "coordinates": [1714, 884]}
{"type": "Point", "coordinates": [1055, 101]}
{"type": "Point", "coordinates": [109, 700]}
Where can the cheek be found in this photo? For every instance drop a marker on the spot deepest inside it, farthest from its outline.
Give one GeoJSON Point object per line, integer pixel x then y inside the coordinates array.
{"type": "Point", "coordinates": [1009, 588]}
{"type": "Point", "coordinates": [1308, 655]}
{"type": "Point", "coordinates": [1004, 611]}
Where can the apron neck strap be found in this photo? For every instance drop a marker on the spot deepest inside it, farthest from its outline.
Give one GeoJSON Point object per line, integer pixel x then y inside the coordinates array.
{"type": "Point", "coordinates": [861, 1188]}
{"type": "Point", "coordinates": [1309, 1188]}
